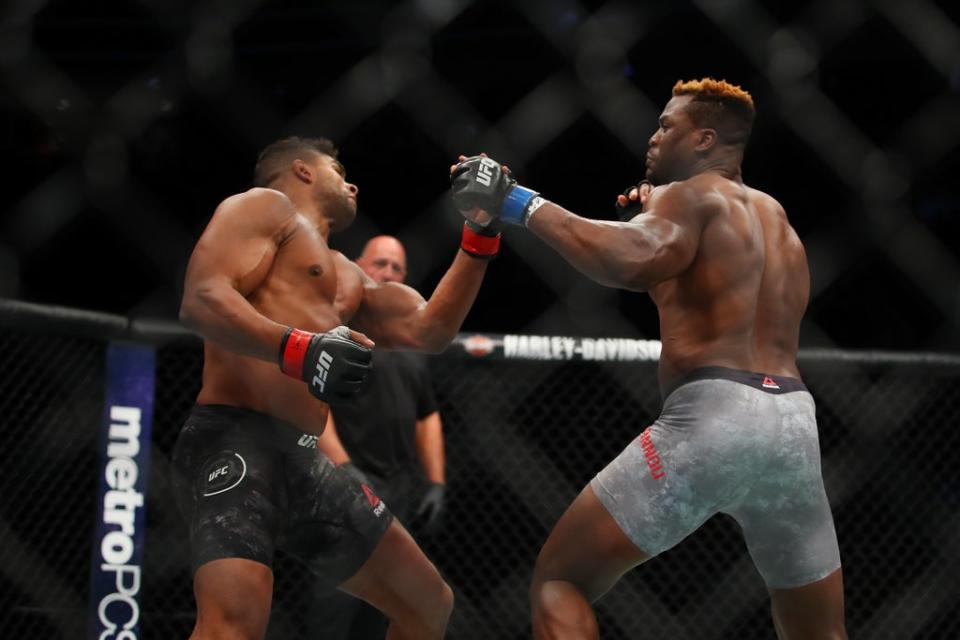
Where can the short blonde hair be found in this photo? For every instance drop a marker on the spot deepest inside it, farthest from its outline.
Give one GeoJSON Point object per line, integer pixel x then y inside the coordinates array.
{"type": "Point", "coordinates": [719, 105]}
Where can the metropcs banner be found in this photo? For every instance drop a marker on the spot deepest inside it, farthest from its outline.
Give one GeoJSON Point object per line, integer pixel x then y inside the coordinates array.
{"type": "Point", "coordinates": [115, 566]}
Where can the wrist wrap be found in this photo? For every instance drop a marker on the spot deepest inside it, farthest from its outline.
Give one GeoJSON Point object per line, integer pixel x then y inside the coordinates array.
{"type": "Point", "coordinates": [514, 207]}
{"type": "Point", "coordinates": [479, 245]}
{"type": "Point", "coordinates": [293, 351]}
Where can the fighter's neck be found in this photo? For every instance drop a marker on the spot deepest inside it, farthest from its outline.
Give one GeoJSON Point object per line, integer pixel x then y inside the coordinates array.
{"type": "Point", "coordinates": [309, 209]}
{"type": "Point", "coordinates": [727, 167]}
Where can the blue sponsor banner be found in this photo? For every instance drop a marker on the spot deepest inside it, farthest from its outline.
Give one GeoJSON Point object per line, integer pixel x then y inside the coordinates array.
{"type": "Point", "coordinates": [115, 565]}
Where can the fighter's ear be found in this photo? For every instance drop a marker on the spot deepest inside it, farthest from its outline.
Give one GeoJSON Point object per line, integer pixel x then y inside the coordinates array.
{"type": "Point", "coordinates": [706, 139]}
{"type": "Point", "coordinates": [302, 170]}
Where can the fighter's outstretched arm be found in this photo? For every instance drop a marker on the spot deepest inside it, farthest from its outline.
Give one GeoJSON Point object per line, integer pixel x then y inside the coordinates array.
{"type": "Point", "coordinates": [395, 315]}
{"type": "Point", "coordinates": [636, 254]}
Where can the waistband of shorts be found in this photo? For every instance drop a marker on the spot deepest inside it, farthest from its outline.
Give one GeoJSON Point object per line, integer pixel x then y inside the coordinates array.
{"type": "Point", "coordinates": [762, 381]}
{"type": "Point", "coordinates": [254, 423]}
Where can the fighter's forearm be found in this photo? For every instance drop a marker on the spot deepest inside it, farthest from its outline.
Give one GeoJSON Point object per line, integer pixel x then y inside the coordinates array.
{"type": "Point", "coordinates": [330, 444]}
{"type": "Point", "coordinates": [614, 254]}
{"type": "Point", "coordinates": [220, 314]}
{"type": "Point", "coordinates": [430, 447]}
{"type": "Point", "coordinates": [441, 317]}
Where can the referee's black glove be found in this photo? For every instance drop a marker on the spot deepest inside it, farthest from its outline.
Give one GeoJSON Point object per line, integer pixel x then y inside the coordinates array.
{"type": "Point", "coordinates": [431, 506]}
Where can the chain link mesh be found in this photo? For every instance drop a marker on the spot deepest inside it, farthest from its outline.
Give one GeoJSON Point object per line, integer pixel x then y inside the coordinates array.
{"type": "Point", "coordinates": [128, 121]}
{"type": "Point", "coordinates": [522, 437]}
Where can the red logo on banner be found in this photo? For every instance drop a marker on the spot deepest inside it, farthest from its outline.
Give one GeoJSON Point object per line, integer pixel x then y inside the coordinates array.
{"type": "Point", "coordinates": [478, 345]}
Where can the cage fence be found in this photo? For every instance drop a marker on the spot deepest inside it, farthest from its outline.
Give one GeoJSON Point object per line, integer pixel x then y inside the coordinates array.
{"type": "Point", "coordinates": [526, 428]}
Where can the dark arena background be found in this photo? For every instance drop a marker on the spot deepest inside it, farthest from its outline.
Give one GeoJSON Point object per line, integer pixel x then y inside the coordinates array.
{"type": "Point", "coordinates": [125, 123]}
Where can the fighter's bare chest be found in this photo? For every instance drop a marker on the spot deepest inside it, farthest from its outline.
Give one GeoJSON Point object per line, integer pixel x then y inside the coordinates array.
{"type": "Point", "coordinates": [307, 272]}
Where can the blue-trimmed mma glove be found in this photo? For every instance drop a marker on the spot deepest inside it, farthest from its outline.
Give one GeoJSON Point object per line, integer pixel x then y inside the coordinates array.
{"type": "Point", "coordinates": [633, 208]}
{"type": "Point", "coordinates": [482, 183]}
{"type": "Point", "coordinates": [333, 366]}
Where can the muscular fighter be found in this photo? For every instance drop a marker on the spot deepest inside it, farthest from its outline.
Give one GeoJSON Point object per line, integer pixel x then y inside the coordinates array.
{"type": "Point", "coordinates": [270, 299]}
{"type": "Point", "coordinates": [737, 433]}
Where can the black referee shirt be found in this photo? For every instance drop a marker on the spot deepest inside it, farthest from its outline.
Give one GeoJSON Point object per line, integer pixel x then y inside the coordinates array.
{"type": "Point", "coordinates": [378, 427]}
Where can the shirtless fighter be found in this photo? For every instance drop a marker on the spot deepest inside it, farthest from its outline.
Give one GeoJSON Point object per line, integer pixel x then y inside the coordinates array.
{"type": "Point", "coordinates": [737, 433]}
{"type": "Point", "coordinates": [263, 288]}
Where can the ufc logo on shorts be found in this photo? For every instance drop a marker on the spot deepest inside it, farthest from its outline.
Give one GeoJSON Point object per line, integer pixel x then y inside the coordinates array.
{"type": "Point", "coordinates": [484, 175]}
{"type": "Point", "coordinates": [310, 442]}
{"type": "Point", "coordinates": [323, 368]}
{"type": "Point", "coordinates": [217, 473]}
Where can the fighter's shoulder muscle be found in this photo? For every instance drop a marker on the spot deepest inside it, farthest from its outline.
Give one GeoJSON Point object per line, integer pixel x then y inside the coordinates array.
{"type": "Point", "coordinates": [373, 290]}
{"type": "Point", "coordinates": [258, 212]}
{"type": "Point", "coordinates": [766, 203]}
{"type": "Point", "coordinates": [771, 209]}
{"type": "Point", "coordinates": [695, 200]}
{"type": "Point", "coordinates": [780, 233]}
{"type": "Point", "coordinates": [351, 269]}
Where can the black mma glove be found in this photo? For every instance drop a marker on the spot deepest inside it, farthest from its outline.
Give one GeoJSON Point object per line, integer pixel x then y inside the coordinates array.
{"type": "Point", "coordinates": [430, 508]}
{"type": "Point", "coordinates": [481, 183]}
{"type": "Point", "coordinates": [480, 241]}
{"type": "Point", "coordinates": [633, 207]}
{"type": "Point", "coordinates": [333, 366]}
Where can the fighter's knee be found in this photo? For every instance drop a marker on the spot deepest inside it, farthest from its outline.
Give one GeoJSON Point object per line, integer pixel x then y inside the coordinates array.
{"type": "Point", "coordinates": [428, 615]}
{"type": "Point", "coordinates": [541, 595]}
{"type": "Point", "coordinates": [549, 594]}
{"type": "Point", "coordinates": [232, 604]}
{"type": "Point", "coordinates": [445, 601]}
{"type": "Point", "coordinates": [549, 567]}
{"type": "Point", "coordinates": [230, 627]}
{"type": "Point", "coordinates": [439, 604]}
{"type": "Point", "coordinates": [559, 608]}
{"type": "Point", "coordinates": [546, 566]}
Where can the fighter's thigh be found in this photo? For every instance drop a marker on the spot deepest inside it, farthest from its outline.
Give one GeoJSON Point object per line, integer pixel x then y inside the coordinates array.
{"type": "Point", "coordinates": [588, 548]}
{"type": "Point", "coordinates": [230, 492]}
{"type": "Point", "coordinates": [398, 576]}
{"type": "Point", "coordinates": [786, 518]}
{"type": "Point", "coordinates": [811, 611]}
{"type": "Point", "coordinates": [233, 598]}
{"type": "Point", "coordinates": [333, 522]}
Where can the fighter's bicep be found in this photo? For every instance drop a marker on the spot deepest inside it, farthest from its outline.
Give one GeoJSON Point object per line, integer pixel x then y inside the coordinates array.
{"type": "Point", "coordinates": [677, 226]}
{"type": "Point", "coordinates": [240, 243]}
{"type": "Point", "coordinates": [391, 314]}
{"type": "Point", "coordinates": [241, 263]}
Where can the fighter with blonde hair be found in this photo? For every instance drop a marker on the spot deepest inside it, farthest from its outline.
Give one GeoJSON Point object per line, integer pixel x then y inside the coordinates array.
{"type": "Point", "coordinates": [737, 433]}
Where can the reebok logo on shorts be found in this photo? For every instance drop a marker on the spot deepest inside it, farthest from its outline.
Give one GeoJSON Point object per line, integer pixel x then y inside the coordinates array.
{"type": "Point", "coordinates": [222, 473]}
{"type": "Point", "coordinates": [769, 383]}
{"type": "Point", "coordinates": [375, 502]}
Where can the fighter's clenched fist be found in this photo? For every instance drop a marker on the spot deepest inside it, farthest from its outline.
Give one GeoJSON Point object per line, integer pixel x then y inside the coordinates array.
{"type": "Point", "coordinates": [332, 363]}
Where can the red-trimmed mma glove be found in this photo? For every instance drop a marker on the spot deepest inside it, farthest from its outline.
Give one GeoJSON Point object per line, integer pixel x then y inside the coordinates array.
{"type": "Point", "coordinates": [482, 183]}
{"type": "Point", "coordinates": [481, 241]}
{"type": "Point", "coordinates": [333, 366]}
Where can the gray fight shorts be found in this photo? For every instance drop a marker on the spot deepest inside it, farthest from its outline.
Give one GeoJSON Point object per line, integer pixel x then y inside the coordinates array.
{"type": "Point", "coordinates": [734, 442]}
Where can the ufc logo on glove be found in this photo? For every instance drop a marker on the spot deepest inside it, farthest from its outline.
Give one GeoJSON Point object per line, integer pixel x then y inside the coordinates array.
{"type": "Point", "coordinates": [323, 368]}
{"type": "Point", "coordinates": [484, 175]}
